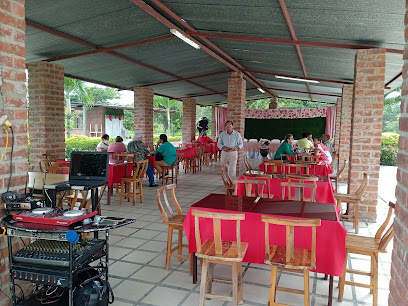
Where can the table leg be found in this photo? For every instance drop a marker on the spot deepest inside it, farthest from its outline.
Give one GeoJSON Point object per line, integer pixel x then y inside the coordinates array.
{"type": "Point", "coordinates": [330, 290]}
{"type": "Point", "coordinates": [194, 268]}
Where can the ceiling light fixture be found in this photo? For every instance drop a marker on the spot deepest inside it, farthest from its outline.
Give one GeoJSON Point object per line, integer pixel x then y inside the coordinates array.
{"type": "Point", "coordinates": [296, 79]}
{"type": "Point", "coordinates": [261, 90]}
{"type": "Point", "coordinates": [184, 38]}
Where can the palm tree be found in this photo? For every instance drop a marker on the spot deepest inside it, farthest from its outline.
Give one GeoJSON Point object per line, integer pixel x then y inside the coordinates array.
{"type": "Point", "coordinates": [165, 103]}
{"type": "Point", "coordinates": [75, 87]}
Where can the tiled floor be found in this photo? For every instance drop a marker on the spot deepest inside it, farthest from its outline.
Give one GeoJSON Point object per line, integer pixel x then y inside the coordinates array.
{"type": "Point", "coordinates": [137, 257]}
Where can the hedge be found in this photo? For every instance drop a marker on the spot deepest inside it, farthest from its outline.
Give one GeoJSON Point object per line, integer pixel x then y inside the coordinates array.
{"type": "Point", "coordinates": [389, 149]}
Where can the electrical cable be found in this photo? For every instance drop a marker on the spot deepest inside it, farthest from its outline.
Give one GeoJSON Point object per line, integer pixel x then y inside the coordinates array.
{"type": "Point", "coordinates": [22, 291]}
{"type": "Point", "coordinates": [5, 149]}
{"type": "Point", "coordinates": [11, 157]}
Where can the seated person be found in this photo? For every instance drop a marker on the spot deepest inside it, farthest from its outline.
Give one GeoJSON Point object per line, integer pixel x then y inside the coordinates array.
{"type": "Point", "coordinates": [322, 151]}
{"type": "Point", "coordinates": [203, 137]}
{"type": "Point", "coordinates": [326, 141]}
{"type": "Point", "coordinates": [137, 146]}
{"type": "Point", "coordinates": [104, 144]}
{"type": "Point", "coordinates": [167, 150]}
{"type": "Point", "coordinates": [304, 143]}
{"type": "Point", "coordinates": [116, 148]}
{"type": "Point", "coordinates": [285, 147]}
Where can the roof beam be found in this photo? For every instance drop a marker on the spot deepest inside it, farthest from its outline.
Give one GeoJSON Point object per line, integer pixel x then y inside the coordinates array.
{"type": "Point", "coordinates": [113, 53]}
{"type": "Point", "coordinates": [393, 79]}
{"type": "Point", "coordinates": [148, 9]}
{"type": "Point", "coordinates": [288, 41]}
{"type": "Point", "coordinates": [104, 50]}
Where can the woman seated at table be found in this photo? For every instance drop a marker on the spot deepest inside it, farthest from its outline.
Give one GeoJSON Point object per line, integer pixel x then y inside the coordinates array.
{"type": "Point", "coordinates": [167, 150]}
{"type": "Point", "coordinates": [116, 148]}
{"type": "Point", "coordinates": [285, 147]}
{"type": "Point", "coordinates": [203, 137]}
{"type": "Point", "coordinates": [322, 151]}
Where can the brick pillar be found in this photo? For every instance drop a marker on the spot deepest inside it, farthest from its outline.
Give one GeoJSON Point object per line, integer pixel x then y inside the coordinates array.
{"type": "Point", "coordinates": [143, 114]}
{"type": "Point", "coordinates": [46, 111]}
{"type": "Point", "coordinates": [273, 104]}
{"type": "Point", "coordinates": [366, 126]}
{"type": "Point", "coordinates": [399, 264]}
{"type": "Point", "coordinates": [345, 127]}
{"type": "Point", "coordinates": [189, 120]}
{"type": "Point", "coordinates": [337, 127]}
{"type": "Point", "coordinates": [236, 110]}
{"type": "Point", "coordinates": [213, 123]}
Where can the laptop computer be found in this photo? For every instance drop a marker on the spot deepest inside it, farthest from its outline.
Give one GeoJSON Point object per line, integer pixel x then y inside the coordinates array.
{"type": "Point", "coordinates": [86, 170]}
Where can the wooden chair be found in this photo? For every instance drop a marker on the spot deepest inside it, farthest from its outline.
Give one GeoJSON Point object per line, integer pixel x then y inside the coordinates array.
{"type": "Point", "coordinates": [226, 179]}
{"type": "Point", "coordinates": [132, 183]}
{"type": "Point", "coordinates": [299, 168]}
{"type": "Point", "coordinates": [271, 166]}
{"type": "Point", "coordinates": [208, 155]}
{"type": "Point", "coordinates": [247, 164]}
{"type": "Point", "coordinates": [368, 246]}
{"type": "Point", "coordinates": [218, 251]}
{"type": "Point", "coordinates": [44, 163]}
{"type": "Point", "coordinates": [335, 177]}
{"type": "Point", "coordinates": [354, 199]}
{"type": "Point", "coordinates": [129, 157]}
{"type": "Point", "coordinates": [299, 191]}
{"type": "Point", "coordinates": [171, 172]}
{"type": "Point", "coordinates": [256, 184]}
{"type": "Point", "coordinates": [309, 158]}
{"type": "Point", "coordinates": [175, 222]}
{"type": "Point", "coordinates": [289, 257]}
{"type": "Point", "coordinates": [301, 178]}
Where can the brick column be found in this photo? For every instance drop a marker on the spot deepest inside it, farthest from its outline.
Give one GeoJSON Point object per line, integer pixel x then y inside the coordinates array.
{"type": "Point", "coordinates": [337, 127]}
{"type": "Point", "coordinates": [399, 264]}
{"type": "Point", "coordinates": [236, 110]}
{"type": "Point", "coordinates": [345, 127]}
{"type": "Point", "coordinates": [213, 123]}
{"type": "Point", "coordinates": [143, 114]}
{"type": "Point", "coordinates": [46, 111]}
{"type": "Point", "coordinates": [273, 104]}
{"type": "Point", "coordinates": [189, 120]}
{"type": "Point", "coordinates": [366, 126]}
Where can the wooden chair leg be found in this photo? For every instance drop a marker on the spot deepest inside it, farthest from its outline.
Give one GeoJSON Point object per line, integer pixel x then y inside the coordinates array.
{"type": "Point", "coordinates": [210, 276]}
{"type": "Point", "coordinates": [180, 244]}
{"type": "Point", "coordinates": [342, 280]}
{"type": "Point", "coordinates": [203, 282]}
{"type": "Point", "coordinates": [134, 187]}
{"type": "Point", "coordinates": [240, 287]}
{"type": "Point", "coordinates": [356, 218]}
{"type": "Point", "coordinates": [190, 263]}
{"type": "Point", "coordinates": [272, 286]}
{"type": "Point", "coordinates": [141, 191]}
{"type": "Point", "coordinates": [169, 243]}
{"type": "Point", "coordinates": [235, 297]}
{"type": "Point", "coordinates": [374, 276]}
{"type": "Point", "coordinates": [306, 291]}
{"type": "Point", "coordinates": [122, 192]}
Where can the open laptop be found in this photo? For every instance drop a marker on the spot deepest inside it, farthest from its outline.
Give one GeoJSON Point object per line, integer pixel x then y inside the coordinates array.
{"type": "Point", "coordinates": [87, 169]}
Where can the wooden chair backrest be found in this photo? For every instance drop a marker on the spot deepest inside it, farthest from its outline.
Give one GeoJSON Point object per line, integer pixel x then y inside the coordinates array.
{"type": "Point", "coordinates": [226, 179]}
{"type": "Point", "coordinates": [301, 178]}
{"type": "Point", "coordinates": [389, 233]}
{"type": "Point", "coordinates": [271, 166]}
{"type": "Point", "coordinates": [178, 160]}
{"type": "Point", "coordinates": [258, 184]}
{"type": "Point", "coordinates": [340, 170]}
{"type": "Point", "coordinates": [298, 167]}
{"type": "Point", "coordinates": [247, 164]}
{"type": "Point", "coordinates": [217, 218]}
{"type": "Point", "coordinates": [290, 237]}
{"type": "Point", "coordinates": [55, 167]}
{"type": "Point", "coordinates": [309, 157]}
{"type": "Point", "coordinates": [130, 157]}
{"type": "Point", "coordinates": [363, 186]}
{"type": "Point", "coordinates": [167, 211]}
{"type": "Point", "coordinates": [43, 163]}
{"type": "Point", "coordinates": [140, 170]}
{"type": "Point", "coordinates": [301, 188]}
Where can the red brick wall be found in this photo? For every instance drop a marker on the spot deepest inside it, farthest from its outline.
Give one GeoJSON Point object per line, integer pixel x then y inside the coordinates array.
{"type": "Point", "coordinates": [143, 115]}
{"type": "Point", "coordinates": [46, 111]}
{"type": "Point", "coordinates": [236, 110]}
{"type": "Point", "coordinates": [14, 104]}
{"type": "Point", "coordinates": [399, 265]}
{"type": "Point", "coordinates": [337, 127]}
{"type": "Point", "coordinates": [95, 115]}
{"type": "Point", "coordinates": [345, 127]}
{"type": "Point", "coordinates": [366, 126]}
{"type": "Point", "coordinates": [189, 120]}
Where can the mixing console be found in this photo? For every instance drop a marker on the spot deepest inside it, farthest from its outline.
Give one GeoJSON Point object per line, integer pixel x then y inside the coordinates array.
{"type": "Point", "coordinates": [56, 253]}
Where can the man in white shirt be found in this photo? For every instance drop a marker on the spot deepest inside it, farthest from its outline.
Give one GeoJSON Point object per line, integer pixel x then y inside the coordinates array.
{"type": "Point", "coordinates": [104, 144]}
{"type": "Point", "coordinates": [230, 142]}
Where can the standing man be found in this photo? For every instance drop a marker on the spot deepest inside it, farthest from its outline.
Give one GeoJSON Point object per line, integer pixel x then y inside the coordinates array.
{"type": "Point", "coordinates": [230, 142]}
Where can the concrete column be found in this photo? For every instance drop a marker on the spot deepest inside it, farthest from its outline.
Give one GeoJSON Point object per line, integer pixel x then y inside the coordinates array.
{"type": "Point", "coordinates": [366, 126]}
{"type": "Point", "coordinates": [345, 128]}
{"type": "Point", "coordinates": [236, 110]}
{"type": "Point", "coordinates": [189, 120]}
{"type": "Point", "coordinates": [337, 127]}
{"type": "Point", "coordinates": [143, 114]}
{"type": "Point", "coordinates": [46, 111]}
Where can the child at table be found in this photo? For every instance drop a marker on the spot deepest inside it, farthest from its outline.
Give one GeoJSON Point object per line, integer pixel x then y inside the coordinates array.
{"type": "Point", "coordinates": [322, 151]}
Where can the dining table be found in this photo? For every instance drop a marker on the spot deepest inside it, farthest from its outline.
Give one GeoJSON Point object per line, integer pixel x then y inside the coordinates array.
{"type": "Point", "coordinates": [316, 168]}
{"type": "Point", "coordinates": [330, 236]}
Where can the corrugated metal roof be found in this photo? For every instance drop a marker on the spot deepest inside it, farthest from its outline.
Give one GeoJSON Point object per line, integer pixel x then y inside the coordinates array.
{"type": "Point", "coordinates": [106, 23]}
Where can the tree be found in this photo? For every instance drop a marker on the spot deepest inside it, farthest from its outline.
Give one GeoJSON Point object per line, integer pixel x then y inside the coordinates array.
{"type": "Point", "coordinates": [165, 103]}
{"type": "Point", "coordinates": [74, 87]}
{"type": "Point", "coordinates": [392, 112]}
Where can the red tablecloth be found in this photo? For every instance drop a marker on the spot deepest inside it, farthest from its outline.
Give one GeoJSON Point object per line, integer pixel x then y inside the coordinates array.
{"type": "Point", "coordinates": [188, 153]}
{"type": "Point", "coordinates": [117, 171]}
{"type": "Point", "coordinates": [330, 239]}
{"type": "Point", "coordinates": [324, 190]}
{"type": "Point", "coordinates": [319, 169]}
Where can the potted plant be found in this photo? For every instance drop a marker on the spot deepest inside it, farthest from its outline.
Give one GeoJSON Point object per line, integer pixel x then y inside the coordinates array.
{"type": "Point", "coordinates": [264, 147]}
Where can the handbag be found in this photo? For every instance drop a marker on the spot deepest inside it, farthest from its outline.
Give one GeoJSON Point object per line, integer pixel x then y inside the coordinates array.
{"type": "Point", "coordinates": [91, 290]}
{"type": "Point", "coordinates": [159, 156]}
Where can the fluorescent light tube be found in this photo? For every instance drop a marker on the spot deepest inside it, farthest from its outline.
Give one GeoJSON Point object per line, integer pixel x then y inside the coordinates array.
{"type": "Point", "coordinates": [184, 38]}
{"type": "Point", "coordinates": [261, 90]}
{"type": "Point", "coordinates": [296, 79]}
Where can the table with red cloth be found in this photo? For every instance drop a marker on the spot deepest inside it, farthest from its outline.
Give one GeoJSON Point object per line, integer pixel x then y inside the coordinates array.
{"type": "Point", "coordinates": [330, 236]}
{"type": "Point", "coordinates": [187, 153]}
{"type": "Point", "coordinates": [64, 163]}
{"type": "Point", "coordinates": [324, 170]}
{"type": "Point", "coordinates": [115, 173]}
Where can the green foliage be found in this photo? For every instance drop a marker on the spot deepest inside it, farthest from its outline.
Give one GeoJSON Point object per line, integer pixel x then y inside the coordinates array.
{"type": "Point", "coordinates": [169, 139]}
{"type": "Point", "coordinates": [283, 103]}
{"type": "Point", "coordinates": [392, 111]}
{"type": "Point", "coordinates": [102, 95]}
{"type": "Point", "coordinates": [128, 120]}
{"type": "Point", "coordinates": [115, 112]}
{"type": "Point", "coordinates": [80, 143]}
{"type": "Point", "coordinates": [389, 149]}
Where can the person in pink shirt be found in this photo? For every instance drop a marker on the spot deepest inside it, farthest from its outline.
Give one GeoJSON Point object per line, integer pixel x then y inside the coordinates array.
{"type": "Point", "coordinates": [322, 151]}
{"type": "Point", "coordinates": [116, 148]}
